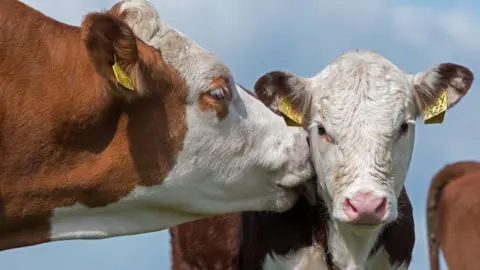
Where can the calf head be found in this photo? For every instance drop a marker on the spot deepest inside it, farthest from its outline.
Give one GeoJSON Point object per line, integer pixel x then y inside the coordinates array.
{"type": "Point", "coordinates": [360, 113]}
{"type": "Point", "coordinates": [237, 155]}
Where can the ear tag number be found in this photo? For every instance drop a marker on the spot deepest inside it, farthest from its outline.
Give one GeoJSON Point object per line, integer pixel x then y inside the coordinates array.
{"type": "Point", "coordinates": [435, 113]}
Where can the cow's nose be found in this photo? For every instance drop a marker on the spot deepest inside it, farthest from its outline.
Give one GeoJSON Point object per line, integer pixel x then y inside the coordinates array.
{"type": "Point", "coordinates": [365, 208]}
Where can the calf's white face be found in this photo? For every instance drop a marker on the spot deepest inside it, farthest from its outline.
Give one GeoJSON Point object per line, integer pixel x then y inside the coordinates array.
{"type": "Point", "coordinates": [360, 112]}
{"type": "Point", "coordinates": [237, 154]}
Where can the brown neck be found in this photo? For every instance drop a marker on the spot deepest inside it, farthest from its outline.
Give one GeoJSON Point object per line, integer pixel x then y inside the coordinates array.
{"type": "Point", "coordinates": [64, 138]}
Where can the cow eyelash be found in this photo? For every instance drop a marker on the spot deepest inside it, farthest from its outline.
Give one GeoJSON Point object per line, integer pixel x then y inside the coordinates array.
{"type": "Point", "coordinates": [220, 93]}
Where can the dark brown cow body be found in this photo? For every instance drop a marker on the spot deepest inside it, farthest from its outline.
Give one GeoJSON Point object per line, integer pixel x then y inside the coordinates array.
{"type": "Point", "coordinates": [68, 128]}
{"type": "Point", "coordinates": [453, 216]}
{"type": "Point", "coordinates": [217, 242]}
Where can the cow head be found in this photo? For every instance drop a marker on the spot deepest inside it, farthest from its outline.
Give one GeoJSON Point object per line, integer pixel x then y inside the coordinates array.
{"type": "Point", "coordinates": [360, 113]}
{"type": "Point", "coordinates": [237, 155]}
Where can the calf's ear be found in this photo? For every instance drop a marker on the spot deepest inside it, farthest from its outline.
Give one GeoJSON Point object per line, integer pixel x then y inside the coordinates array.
{"type": "Point", "coordinates": [287, 94]}
{"type": "Point", "coordinates": [444, 85]}
{"type": "Point", "coordinates": [112, 47]}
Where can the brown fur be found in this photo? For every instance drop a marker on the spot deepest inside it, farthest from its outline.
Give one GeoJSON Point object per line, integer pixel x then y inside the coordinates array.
{"type": "Point", "coordinates": [451, 77]}
{"type": "Point", "coordinates": [275, 85]}
{"type": "Point", "coordinates": [452, 216]}
{"type": "Point", "coordinates": [282, 84]}
{"type": "Point", "coordinates": [68, 133]}
{"type": "Point", "coordinates": [210, 243]}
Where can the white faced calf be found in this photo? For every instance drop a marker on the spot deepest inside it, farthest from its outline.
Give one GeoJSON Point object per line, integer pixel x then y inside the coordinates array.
{"type": "Point", "coordinates": [360, 112]}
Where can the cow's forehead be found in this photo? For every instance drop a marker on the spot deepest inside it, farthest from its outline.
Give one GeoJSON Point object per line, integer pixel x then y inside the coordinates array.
{"type": "Point", "coordinates": [361, 88]}
{"type": "Point", "coordinates": [361, 84]}
{"type": "Point", "coordinates": [197, 65]}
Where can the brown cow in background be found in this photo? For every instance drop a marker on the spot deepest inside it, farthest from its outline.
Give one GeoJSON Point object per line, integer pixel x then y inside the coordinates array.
{"type": "Point", "coordinates": [453, 216]}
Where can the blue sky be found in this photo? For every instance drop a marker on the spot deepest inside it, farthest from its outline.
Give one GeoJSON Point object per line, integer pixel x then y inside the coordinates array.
{"type": "Point", "coordinates": [254, 37]}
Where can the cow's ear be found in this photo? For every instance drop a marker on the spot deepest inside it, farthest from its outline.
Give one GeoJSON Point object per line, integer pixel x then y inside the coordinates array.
{"type": "Point", "coordinates": [448, 82]}
{"type": "Point", "coordinates": [283, 91]}
{"type": "Point", "coordinates": [112, 47]}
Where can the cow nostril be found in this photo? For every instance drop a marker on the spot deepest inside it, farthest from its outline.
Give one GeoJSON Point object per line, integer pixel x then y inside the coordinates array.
{"type": "Point", "coordinates": [348, 204]}
{"type": "Point", "coordinates": [382, 206]}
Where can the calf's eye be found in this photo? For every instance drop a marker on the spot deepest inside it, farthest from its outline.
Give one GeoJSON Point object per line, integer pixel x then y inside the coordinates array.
{"type": "Point", "coordinates": [322, 131]}
{"type": "Point", "coordinates": [404, 128]}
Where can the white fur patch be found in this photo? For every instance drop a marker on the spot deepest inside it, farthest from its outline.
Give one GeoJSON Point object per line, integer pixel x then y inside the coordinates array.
{"type": "Point", "coordinates": [310, 258]}
{"type": "Point", "coordinates": [380, 262]}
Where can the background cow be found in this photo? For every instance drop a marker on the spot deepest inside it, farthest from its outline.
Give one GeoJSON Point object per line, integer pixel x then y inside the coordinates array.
{"type": "Point", "coordinates": [360, 113]}
{"type": "Point", "coordinates": [453, 217]}
{"type": "Point", "coordinates": [101, 138]}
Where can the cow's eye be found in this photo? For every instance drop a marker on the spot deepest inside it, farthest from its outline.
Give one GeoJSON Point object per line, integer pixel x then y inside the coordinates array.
{"type": "Point", "coordinates": [322, 131]}
{"type": "Point", "coordinates": [404, 128]}
{"type": "Point", "coordinates": [220, 93]}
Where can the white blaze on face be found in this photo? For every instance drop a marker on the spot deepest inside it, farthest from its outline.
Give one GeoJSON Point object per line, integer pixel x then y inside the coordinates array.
{"type": "Point", "coordinates": [238, 155]}
{"type": "Point", "coordinates": [360, 112]}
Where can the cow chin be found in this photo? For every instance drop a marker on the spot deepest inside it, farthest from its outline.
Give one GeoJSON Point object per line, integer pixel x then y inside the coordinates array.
{"type": "Point", "coordinates": [285, 200]}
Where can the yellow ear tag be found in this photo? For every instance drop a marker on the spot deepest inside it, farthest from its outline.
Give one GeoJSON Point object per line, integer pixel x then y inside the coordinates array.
{"type": "Point", "coordinates": [121, 76]}
{"type": "Point", "coordinates": [435, 113]}
{"type": "Point", "coordinates": [292, 118]}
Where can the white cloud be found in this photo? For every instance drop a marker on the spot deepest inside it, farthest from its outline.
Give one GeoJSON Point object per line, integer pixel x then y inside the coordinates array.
{"type": "Point", "coordinates": [441, 31]}
{"type": "Point", "coordinates": [230, 27]}
{"type": "Point", "coordinates": [322, 28]}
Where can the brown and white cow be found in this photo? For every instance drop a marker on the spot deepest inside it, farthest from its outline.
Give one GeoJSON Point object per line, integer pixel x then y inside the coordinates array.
{"type": "Point", "coordinates": [100, 137]}
{"type": "Point", "coordinates": [360, 112]}
{"type": "Point", "coordinates": [453, 218]}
